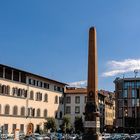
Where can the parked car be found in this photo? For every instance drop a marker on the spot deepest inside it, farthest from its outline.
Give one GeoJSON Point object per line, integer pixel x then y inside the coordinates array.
{"type": "Point", "coordinates": [45, 137]}
{"type": "Point", "coordinates": [73, 137]}
{"type": "Point", "coordinates": [106, 136]}
{"type": "Point", "coordinates": [37, 136]}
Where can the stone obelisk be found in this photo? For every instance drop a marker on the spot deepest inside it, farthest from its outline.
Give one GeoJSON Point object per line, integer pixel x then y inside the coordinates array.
{"type": "Point", "coordinates": [92, 124]}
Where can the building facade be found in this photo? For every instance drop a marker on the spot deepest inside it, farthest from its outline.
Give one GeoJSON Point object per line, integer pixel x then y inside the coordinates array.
{"type": "Point", "coordinates": [27, 99]}
{"type": "Point", "coordinates": [75, 101]}
{"type": "Point", "coordinates": [127, 104]}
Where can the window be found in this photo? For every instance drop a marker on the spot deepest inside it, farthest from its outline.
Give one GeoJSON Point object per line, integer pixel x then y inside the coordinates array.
{"type": "Point", "coordinates": [68, 109]}
{"type": "Point", "coordinates": [56, 88]}
{"type": "Point", "coordinates": [40, 84]}
{"type": "Point", "coordinates": [46, 97]}
{"type": "Point", "coordinates": [1, 71]}
{"type": "Point", "coordinates": [25, 93]}
{"type": "Point", "coordinates": [22, 113]}
{"type": "Point", "coordinates": [8, 73]}
{"type": "Point", "coordinates": [15, 90]}
{"type": "Point", "coordinates": [32, 82]}
{"type": "Point", "coordinates": [56, 100]}
{"type": "Point", "coordinates": [77, 99]}
{"type": "Point", "coordinates": [133, 102]}
{"type": "Point", "coordinates": [38, 112]}
{"type": "Point", "coordinates": [77, 109]}
{"type": "Point", "coordinates": [46, 85]}
{"type": "Point", "coordinates": [125, 103]}
{"type": "Point", "coordinates": [33, 112]}
{"type": "Point", "coordinates": [138, 84]}
{"type": "Point", "coordinates": [15, 110]}
{"type": "Point", "coordinates": [138, 94]}
{"type": "Point", "coordinates": [7, 110]}
{"type": "Point", "coordinates": [133, 93]}
{"type": "Point", "coordinates": [138, 102]}
{"type": "Point", "coordinates": [3, 89]}
{"type": "Point", "coordinates": [38, 96]}
{"type": "Point", "coordinates": [45, 113]}
{"type": "Point", "coordinates": [37, 83]}
{"type": "Point", "coordinates": [31, 95]}
{"type": "Point", "coordinates": [6, 128]}
{"type": "Point", "coordinates": [125, 94]}
{"type": "Point", "coordinates": [14, 127]}
{"type": "Point", "coordinates": [19, 92]}
{"type": "Point", "coordinates": [8, 90]}
{"type": "Point", "coordinates": [15, 75]}
{"type": "Point", "coordinates": [21, 127]}
{"type": "Point", "coordinates": [68, 99]}
{"type": "Point", "coordinates": [23, 77]}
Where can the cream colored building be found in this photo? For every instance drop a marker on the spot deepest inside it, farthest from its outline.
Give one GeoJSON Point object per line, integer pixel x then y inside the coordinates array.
{"type": "Point", "coordinates": [75, 101]}
{"type": "Point", "coordinates": [27, 99]}
{"type": "Point", "coordinates": [110, 111]}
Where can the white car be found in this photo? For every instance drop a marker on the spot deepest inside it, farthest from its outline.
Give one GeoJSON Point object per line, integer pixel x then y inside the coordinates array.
{"type": "Point", "coordinates": [72, 137]}
{"type": "Point", "coordinates": [106, 136]}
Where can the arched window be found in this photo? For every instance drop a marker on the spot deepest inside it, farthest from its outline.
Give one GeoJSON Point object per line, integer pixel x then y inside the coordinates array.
{"type": "Point", "coordinates": [0, 108]}
{"type": "Point", "coordinates": [0, 88]}
{"type": "Point", "coordinates": [22, 112]}
{"type": "Point", "coordinates": [31, 95]}
{"type": "Point", "coordinates": [45, 113]}
{"type": "Point", "coordinates": [46, 97]}
{"type": "Point", "coordinates": [23, 92]}
{"type": "Point", "coordinates": [15, 110]}
{"type": "Point", "coordinates": [3, 89]}
{"type": "Point", "coordinates": [38, 112]}
{"type": "Point", "coordinates": [19, 92]}
{"type": "Point", "coordinates": [56, 100]}
{"type": "Point", "coordinates": [7, 110]}
{"type": "Point", "coordinates": [8, 90]}
{"type": "Point", "coordinates": [15, 91]}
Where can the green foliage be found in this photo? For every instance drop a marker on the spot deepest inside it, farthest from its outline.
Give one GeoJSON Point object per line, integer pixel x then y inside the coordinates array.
{"type": "Point", "coordinates": [50, 124]}
{"type": "Point", "coordinates": [78, 124]}
{"type": "Point", "coordinates": [66, 126]}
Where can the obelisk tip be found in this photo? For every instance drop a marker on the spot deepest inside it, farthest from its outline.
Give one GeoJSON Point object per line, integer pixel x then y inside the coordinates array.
{"type": "Point", "coordinates": [92, 28]}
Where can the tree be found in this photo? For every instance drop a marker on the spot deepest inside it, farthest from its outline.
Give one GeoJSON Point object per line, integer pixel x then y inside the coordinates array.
{"type": "Point", "coordinates": [50, 124]}
{"type": "Point", "coordinates": [78, 124]}
{"type": "Point", "coordinates": [66, 126]}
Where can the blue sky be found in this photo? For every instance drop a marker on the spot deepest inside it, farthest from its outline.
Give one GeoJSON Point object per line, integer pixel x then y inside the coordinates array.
{"type": "Point", "coordinates": [50, 37]}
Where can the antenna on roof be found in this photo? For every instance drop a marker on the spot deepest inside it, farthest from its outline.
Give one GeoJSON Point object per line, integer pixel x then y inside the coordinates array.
{"type": "Point", "coordinates": [123, 76]}
{"type": "Point", "coordinates": [136, 72]}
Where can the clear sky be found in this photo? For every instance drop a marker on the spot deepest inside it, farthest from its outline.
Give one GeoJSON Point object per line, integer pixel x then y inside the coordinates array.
{"type": "Point", "coordinates": [50, 38]}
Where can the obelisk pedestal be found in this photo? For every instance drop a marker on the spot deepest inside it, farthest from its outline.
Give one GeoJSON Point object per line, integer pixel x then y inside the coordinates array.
{"type": "Point", "coordinates": [92, 123]}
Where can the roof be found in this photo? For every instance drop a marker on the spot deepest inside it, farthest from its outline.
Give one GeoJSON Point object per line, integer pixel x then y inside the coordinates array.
{"type": "Point", "coordinates": [73, 90]}
{"type": "Point", "coordinates": [29, 73]}
{"type": "Point", "coordinates": [127, 79]}
{"type": "Point", "coordinates": [76, 91]}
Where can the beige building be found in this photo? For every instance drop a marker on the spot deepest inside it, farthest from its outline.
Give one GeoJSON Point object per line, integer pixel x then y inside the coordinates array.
{"type": "Point", "coordinates": [75, 101]}
{"type": "Point", "coordinates": [27, 99]}
{"type": "Point", "coordinates": [109, 112]}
